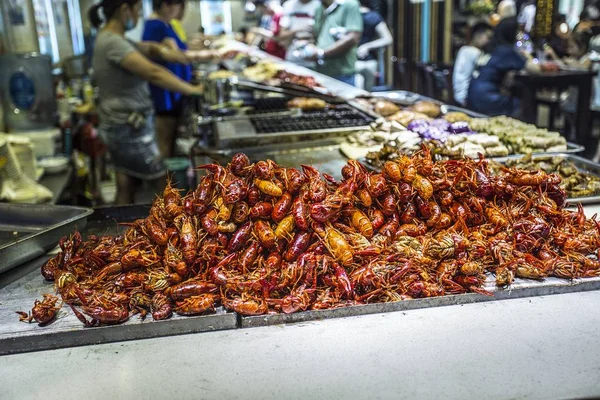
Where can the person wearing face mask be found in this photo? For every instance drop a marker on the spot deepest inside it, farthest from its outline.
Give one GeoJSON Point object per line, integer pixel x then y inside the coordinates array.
{"type": "Point", "coordinates": [169, 106]}
{"type": "Point", "coordinates": [122, 70]}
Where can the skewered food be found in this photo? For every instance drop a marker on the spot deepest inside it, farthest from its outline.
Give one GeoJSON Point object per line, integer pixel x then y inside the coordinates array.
{"type": "Point", "coordinates": [307, 103]}
{"type": "Point", "coordinates": [260, 238]}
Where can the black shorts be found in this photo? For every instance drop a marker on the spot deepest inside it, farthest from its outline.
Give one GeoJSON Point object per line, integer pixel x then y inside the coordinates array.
{"type": "Point", "coordinates": [175, 112]}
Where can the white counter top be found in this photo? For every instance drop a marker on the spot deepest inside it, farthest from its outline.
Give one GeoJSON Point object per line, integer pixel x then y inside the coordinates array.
{"type": "Point", "coordinates": [541, 347]}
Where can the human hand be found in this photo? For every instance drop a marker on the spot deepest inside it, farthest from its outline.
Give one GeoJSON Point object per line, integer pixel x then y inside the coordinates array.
{"type": "Point", "coordinates": [196, 90]}
{"type": "Point", "coordinates": [310, 52]}
{"type": "Point", "coordinates": [362, 51]}
{"type": "Point", "coordinates": [525, 54]}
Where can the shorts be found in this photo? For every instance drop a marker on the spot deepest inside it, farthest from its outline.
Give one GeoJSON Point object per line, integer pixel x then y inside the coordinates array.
{"type": "Point", "coordinates": [176, 111]}
{"type": "Point", "coordinates": [134, 152]}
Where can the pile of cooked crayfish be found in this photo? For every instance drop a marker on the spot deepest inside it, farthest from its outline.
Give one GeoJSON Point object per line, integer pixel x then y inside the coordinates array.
{"type": "Point", "coordinates": [259, 238]}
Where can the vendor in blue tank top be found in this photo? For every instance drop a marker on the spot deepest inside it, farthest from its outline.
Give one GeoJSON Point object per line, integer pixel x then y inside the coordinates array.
{"type": "Point", "coordinates": [169, 106]}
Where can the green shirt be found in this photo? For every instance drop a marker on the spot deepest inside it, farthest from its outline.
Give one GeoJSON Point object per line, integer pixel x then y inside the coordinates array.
{"type": "Point", "coordinates": [343, 16]}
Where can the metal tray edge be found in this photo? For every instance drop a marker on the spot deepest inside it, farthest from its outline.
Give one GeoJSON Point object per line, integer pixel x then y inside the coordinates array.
{"type": "Point", "coordinates": [85, 213]}
{"type": "Point", "coordinates": [406, 305]}
{"type": "Point", "coordinates": [112, 334]}
{"type": "Point", "coordinates": [63, 227]}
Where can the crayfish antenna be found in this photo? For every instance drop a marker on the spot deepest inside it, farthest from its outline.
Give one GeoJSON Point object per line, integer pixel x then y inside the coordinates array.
{"type": "Point", "coordinates": [461, 226]}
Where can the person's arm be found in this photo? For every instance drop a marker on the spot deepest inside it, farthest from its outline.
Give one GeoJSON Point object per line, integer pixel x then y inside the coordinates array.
{"type": "Point", "coordinates": [354, 25]}
{"type": "Point", "coordinates": [385, 39]}
{"type": "Point", "coordinates": [551, 54]}
{"type": "Point", "coordinates": [530, 66]}
{"type": "Point", "coordinates": [160, 52]}
{"type": "Point", "coordinates": [137, 64]}
{"type": "Point", "coordinates": [170, 43]}
{"type": "Point", "coordinates": [285, 36]}
{"type": "Point", "coordinates": [348, 41]}
{"type": "Point", "coordinates": [262, 32]}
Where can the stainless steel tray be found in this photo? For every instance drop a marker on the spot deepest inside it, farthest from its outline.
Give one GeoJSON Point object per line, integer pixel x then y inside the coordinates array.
{"type": "Point", "coordinates": [520, 288]}
{"type": "Point", "coordinates": [572, 148]}
{"type": "Point", "coordinates": [404, 98]}
{"type": "Point", "coordinates": [582, 164]}
{"type": "Point", "coordinates": [68, 331]}
{"type": "Point", "coordinates": [401, 97]}
{"type": "Point", "coordinates": [28, 231]}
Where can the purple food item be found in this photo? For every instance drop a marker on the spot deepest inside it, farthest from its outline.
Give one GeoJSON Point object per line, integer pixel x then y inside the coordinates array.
{"type": "Point", "coordinates": [416, 124]}
{"type": "Point", "coordinates": [459, 127]}
{"type": "Point", "coordinates": [438, 129]}
{"type": "Point", "coordinates": [440, 122]}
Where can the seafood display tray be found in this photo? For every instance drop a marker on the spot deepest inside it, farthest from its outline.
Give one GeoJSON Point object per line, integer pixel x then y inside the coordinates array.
{"type": "Point", "coordinates": [28, 231]}
{"type": "Point", "coordinates": [68, 331]}
{"type": "Point", "coordinates": [19, 288]}
{"type": "Point", "coordinates": [519, 289]}
{"type": "Point", "coordinates": [582, 164]}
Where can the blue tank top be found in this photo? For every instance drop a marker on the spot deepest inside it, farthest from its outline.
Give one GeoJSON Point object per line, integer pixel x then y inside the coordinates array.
{"type": "Point", "coordinates": [156, 31]}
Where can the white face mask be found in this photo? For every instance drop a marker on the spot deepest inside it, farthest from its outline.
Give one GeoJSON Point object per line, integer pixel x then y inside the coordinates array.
{"type": "Point", "coordinates": [129, 22]}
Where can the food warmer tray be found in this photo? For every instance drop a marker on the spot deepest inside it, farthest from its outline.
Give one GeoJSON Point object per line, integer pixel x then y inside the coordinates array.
{"type": "Point", "coordinates": [20, 287]}
{"type": "Point", "coordinates": [404, 98]}
{"type": "Point", "coordinates": [582, 164]}
{"type": "Point", "coordinates": [27, 231]}
{"type": "Point", "coordinates": [261, 130]}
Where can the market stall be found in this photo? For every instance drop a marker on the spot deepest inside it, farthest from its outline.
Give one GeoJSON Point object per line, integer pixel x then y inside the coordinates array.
{"type": "Point", "coordinates": [298, 230]}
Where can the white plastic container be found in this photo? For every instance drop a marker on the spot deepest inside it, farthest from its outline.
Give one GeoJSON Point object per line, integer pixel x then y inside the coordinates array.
{"type": "Point", "coordinates": [44, 141]}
